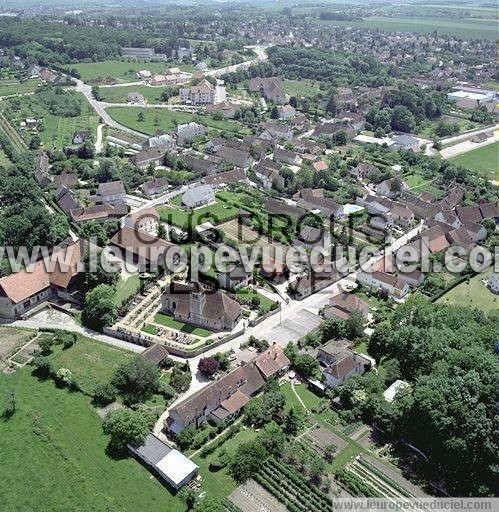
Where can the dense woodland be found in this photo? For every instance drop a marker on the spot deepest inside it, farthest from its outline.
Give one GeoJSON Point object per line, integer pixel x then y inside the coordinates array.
{"type": "Point", "coordinates": [447, 355]}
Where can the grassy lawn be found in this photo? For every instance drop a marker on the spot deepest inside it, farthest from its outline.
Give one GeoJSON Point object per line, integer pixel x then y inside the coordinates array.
{"type": "Point", "coordinates": [309, 398]}
{"type": "Point", "coordinates": [91, 362]}
{"type": "Point", "coordinates": [220, 483]}
{"type": "Point", "coordinates": [249, 293]}
{"type": "Point", "coordinates": [126, 288]}
{"type": "Point", "coordinates": [301, 88]}
{"type": "Point", "coordinates": [4, 160]}
{"type": "Point", "coordinates": [9, 86]}
{"type": "Point", "coordinates": [54, 452]}
{"type": "Point", "coordinates": [170, 322]}
{"type": "Point", "coordinates": [418, 184]}
{"type": "Point", "coordinates": [120, 94]}
{"type": "Point", "coordinates": [163, 119]}
{"type": "Point", "coordinates": [473, 294]}
{"type": "Point", "coordinates": [149, 329]}
{"type": "Point", "coordinates": [484, 161]}
{"type": "Point", "coordinates": [120, 71]}
{"type": "Point", "coordinates": [214, 213]}
{"type": "Point", "coordinates": [291, 399]}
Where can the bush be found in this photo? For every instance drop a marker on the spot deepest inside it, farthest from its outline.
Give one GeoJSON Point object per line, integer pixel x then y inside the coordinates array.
{"type": "Point", "coordinates": [105, 393]}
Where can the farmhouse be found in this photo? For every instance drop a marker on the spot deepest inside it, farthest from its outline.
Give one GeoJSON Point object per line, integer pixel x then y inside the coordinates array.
{"type": "Point", "coordinates": [47, 279]}
{"type": "Point", "coordinates": [226, 397]}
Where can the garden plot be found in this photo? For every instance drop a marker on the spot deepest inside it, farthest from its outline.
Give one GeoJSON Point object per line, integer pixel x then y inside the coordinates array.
{"type": "Point", "coordinates": [246, 236]}
{"type": "Point", "coordinates": [369, 477]}
{"type": "Point", "coordinates": [12, 339]}
{"type": "Point", "coordinates": [320, 438]}
{"type": "Point", "coordinates": [252, 497]}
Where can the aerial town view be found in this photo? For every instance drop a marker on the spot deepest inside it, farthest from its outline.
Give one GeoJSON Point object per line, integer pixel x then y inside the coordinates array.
{"type": "Point", "coordinates": [249, 255]}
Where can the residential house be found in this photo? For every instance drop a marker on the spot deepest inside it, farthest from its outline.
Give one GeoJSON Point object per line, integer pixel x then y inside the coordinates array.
{"type": "Point", "coordinates": [311, 237]}
{"type": "Point", "coordinates": [346, 365]}
{"type": "Point", "coordinates": [476, 232]}
{"type": "Point", "coordinates": [414, 278]}
{"type": "Point", "coordinates": [288, 157]}
{"type": "Point", "coordinates": [286, 112]}
{"type": "Point", "coordinates": [236, 278]}
{"type": "Point", "coordinates": [449, 217]}
{"type": "Point", "coordinates": [155, 187]}
{"type": "Point", "coordinates": [274, 270]}
{"type": "Point", "coordinates": [135, 97]}
{"type": "Point", "coordinates": [164, 142]}
{"type": "Point", "coordinates": [68, 179]}
{"type": "Point", "coordinates": [406, 142]}
{"type": "Point", "coordinates": [204, 93]}
{"type": "Point", "coordinates": [153, 155]}
{"type": "Point", "coordinates": [270, 88]}
{"type": "Point", "coordinates": [375, 205]}
{"type": "Point", "coordinates": [227, 109]}
{"type": "Point", "coordinates": [391, 187]}
{"type": "Point", "coordinates": [65, 199]}
{"type": "Point", "coordinates": [329, 130]}
{"type": "Point", "coordinates": [343, 305]}
{"type": "Point", "coordinates": [434, 239]}
{"type": "Point", "coordinates": [391, 284]}
{"type": "Point", "coordinates": [240, 157]}
{"type": "Point", "coordinates": [184, 133]}
{"type": "Point", "coordinates": [320, 165]}
{"type": "Point", "coordinates": [278, 131]}
{"type": "Point", "coordinates": [225, 178]}
{"type": "Point", "coordinates": [146, 220]}
{"type": "Point", "coordinates": [402, 215]}
{"type": "Point", "coordinates": [268, 173]}
{"type": "Point", "coordinates": [112, 192]}
{"type": "Point", "coordinates": [198, 196]}
{"type": "Point", "coordinates": [363, 170]}
{"type": "Point", "coordinates": [190, 303]}
{"type": "Point", "coordinates": [324, 205]}
{"type": "Point", "coordinates": [281, 208]}
{"type": "Point", "coordinates": [42, 174]}
{"type": "Point", "coordinates": [205, 167]}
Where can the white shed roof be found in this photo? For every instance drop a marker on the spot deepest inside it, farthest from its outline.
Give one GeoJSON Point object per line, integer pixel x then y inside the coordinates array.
{"type": "Point", "coordinates": [176, 466]}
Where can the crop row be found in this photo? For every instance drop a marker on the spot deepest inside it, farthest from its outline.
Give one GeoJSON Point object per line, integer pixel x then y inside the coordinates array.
{"type": "Point", "coordinates": [355, 485]}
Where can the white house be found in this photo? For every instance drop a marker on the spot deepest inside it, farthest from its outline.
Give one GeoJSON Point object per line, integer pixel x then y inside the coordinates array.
{"type": "Point", "coordinates": [394, 286]}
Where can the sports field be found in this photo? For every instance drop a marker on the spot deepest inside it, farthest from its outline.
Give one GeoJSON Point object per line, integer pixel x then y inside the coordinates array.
{"type": "Point", "coordinates": [484, 160]}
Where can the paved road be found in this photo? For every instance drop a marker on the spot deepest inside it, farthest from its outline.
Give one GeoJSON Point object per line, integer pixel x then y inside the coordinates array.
{"type": "Point", "coordinates": [98, 142]}
{"type": "Point", "coordinates": [466, 146]}
{"type": "Point", "coordinates": [279, 327]}
{"type": "Point", "coordinates": [468, 135]}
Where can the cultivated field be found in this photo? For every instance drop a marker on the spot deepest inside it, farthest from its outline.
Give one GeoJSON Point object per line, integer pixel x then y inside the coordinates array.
{"type": "Point", "coordinates": [12, 339]}
{"type": "Point", "coordinates": [11, 86]}
{"type": "Point", "coordinates": [163, 119]}
{"type": "Point", "coordinates": [484, 160]}
{"type": "Point", "coordinates": [119, 71]}
{"type": "Point", "coordinates": [120, 94]}
{"type": "Point", "coordinates": [320, 438]}
{"type": "Point", "coordinates": [466, 28]}
{"type": "Point", "coordinates": [247, 236]}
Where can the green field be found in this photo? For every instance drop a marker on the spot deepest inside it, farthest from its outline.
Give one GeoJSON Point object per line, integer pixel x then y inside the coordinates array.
{"type": "Point", "coordinates": [301, 88]}
{"type": "Point", "coordinates": [473, 294]}
{"type": "Point", "coordinates": [249, 293]}
{"type": "Point", "coordinates": [214, 213]}
{"type": "Point", "coordinates": [169, 321]}
{"type": "Point", "coordinates": [484, 161]}
{"type": "Point", "coordinates": [119, 94]}
{"type": "Point", "coordinates": [54, 456]}
{"type": "Point", "coordinates": [91, 362]}
{"type": "Point", "coordinates": [120, 71]}
{"type": "Point", "coordinates": [10, 86]}
{"type": "Point", "coordinates": [418, 184]}
{"type": "Point", "coordinates": [467, 28]}
{"type": "Point", "coordinates": [163, 119]}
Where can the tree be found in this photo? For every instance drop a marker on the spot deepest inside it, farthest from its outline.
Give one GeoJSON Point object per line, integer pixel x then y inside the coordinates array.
{"type": "Point", "coordinates": [209, 505]}
{"type": "Point", "coordinates": [9, 407]}
{"type": "Point", "coordinates": [105, 393]}
{"type": "Point", "coordinates": [262, 409]}
{"type": "Point", "coordinates": [332, 105]}
{"type": "Point", "coordinates": [223, 361]}
{"type": "Point", "coordinates": [162, 233]}
{"type": "Point", "coordinates": [293, 421]}
{"type": "Point", "coordinates": [340, 137]}
{"type": "Point", "coordinates": [35, 142]}
{"type": "Point", "coordinates": [45, 343]}
{"type": "Point", "coordinates": [248, 459]}
{"type": "Point", "coordinates": [137, 379]}
{"type": "Point", "coordinates": [95, 273]}
{"type": "Point", "coordinates": [99, 310]}
{"type": "Point", "coordinates": [329, 452]}
{"type": "Point", "coordinates": [127, 426]}
{"type": "Point", "coordinates": [274, 113]}
{"type": "Point", "coordinates": [306, 365]}
{"type": "Point", "coordinates": [402, 119]}
{"type": "Point", "coordinates": [272, 438]}
{"type": "Point", "coordinates": [188, 496]}
{"type": "Point", "coordinates": [181, 378]}
{"type": "Point", "coordinates": [208, 366]}
{"type": "Point", "coordinates": [140, 117]}
{"type": "Point", "coordinates": [96, 93]}
{"type": "Point", "coordinates": [185, 438]}
{"type": "Point", "coordinates": [354, 326]}
{"type": "Point", "coordinates": [293, 102]}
